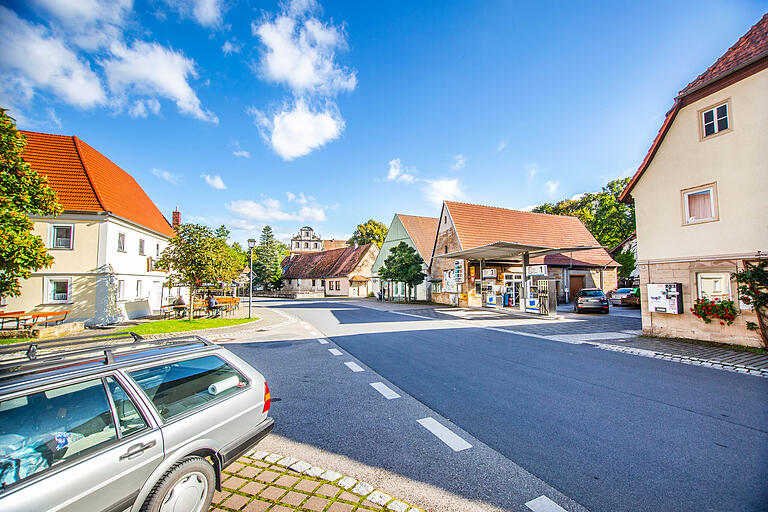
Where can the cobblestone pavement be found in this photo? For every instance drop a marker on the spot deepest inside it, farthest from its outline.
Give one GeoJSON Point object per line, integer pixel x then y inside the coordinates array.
{"type": "Point", "coordinates": [616, 332]}
{"type": "Point", "coordinates": [261, 481]}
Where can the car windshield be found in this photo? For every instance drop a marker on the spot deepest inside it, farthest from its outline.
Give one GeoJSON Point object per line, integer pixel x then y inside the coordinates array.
{"type": "Point", "coordinates": [592, 293]}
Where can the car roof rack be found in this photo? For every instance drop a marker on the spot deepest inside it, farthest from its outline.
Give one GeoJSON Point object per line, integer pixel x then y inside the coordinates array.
{"type": "Point", "coordinates": [18, 359]}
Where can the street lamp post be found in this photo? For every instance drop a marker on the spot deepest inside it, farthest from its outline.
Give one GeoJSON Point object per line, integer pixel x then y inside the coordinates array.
{"type": "Point", "coordinates": [251, 245]}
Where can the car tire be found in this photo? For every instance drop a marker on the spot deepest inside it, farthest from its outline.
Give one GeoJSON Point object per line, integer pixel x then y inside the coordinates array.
{"type": "Point", "coordinates": [191, 481]}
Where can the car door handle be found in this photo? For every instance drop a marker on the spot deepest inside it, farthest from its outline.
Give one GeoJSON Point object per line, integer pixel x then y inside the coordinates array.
{"type": "Point", "coordinates": [137, 449]}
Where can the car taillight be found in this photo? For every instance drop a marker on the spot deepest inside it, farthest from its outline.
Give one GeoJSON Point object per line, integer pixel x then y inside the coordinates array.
{"type": "Point", "coordinates": [267, 398]}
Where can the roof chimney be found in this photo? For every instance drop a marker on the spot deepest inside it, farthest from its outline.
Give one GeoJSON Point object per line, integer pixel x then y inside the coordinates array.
{"type": "Point", "coordinates": [176, 218]}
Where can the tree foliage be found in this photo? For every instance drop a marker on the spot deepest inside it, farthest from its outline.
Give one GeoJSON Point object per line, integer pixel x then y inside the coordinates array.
{"type": "Point", "coordinates": [609, 220]}
{"type": "Point", "coordinates": [267, 257]}
{"type": "Point", "coordinates": [405, 265]}
{"type": "Point", "coordinates": [627, 261]}
{"type": "Point", "coordinates": [753, 289]}
{"type": "Point", "coordinates": [23, 192]}
{"type": "Point", "coordinates": [370, 232]}
{"type": "Point", "coordinates": [197, 255]}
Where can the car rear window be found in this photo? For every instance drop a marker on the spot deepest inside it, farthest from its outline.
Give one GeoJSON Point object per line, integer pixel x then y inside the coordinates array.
{"type": "Point", "coordinates": [624, 290]}
{"type": "Point", "coordinates": [592, 293]}
{"type": "Point", "coordinates": [47, 428]}
{"type": "Point", "coordinates": [176, 388]}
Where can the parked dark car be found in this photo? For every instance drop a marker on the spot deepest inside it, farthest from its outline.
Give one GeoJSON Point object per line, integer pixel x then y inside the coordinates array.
{"type": "Point", "coordinates": [633, 299]}
{"type": "Point", "coordinates": [591, 299]}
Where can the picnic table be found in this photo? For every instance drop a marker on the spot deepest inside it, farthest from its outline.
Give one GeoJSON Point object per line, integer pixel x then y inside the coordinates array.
{"type": "Point", "coordinates": [24, 319]}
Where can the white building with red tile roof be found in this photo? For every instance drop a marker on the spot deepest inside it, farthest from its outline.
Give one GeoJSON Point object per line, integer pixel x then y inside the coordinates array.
{"type": "Point", "coordinates": [104, 244]}
{"type": "Point", "coordinates": [700, 194]}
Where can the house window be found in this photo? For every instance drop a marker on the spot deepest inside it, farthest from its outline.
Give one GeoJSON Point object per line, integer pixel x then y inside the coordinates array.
{"type": "Point", "coordinates": [121, 242]}
{"type": "Point", "coordinates": [322, 283]}
{"type": "Point", "coordinates": [141, 246]}
{"type": "Point", "coordinates": [306, 245]}
{"type": "Point", "coordinates": [138, 289]}
{"type": "Point", "coordinates": [157, 251]}
{"type": "Point", "coordinates": [121, 289]}
{"type": "Point", "coordinates": [437, 287]}
{"type": "Point", "coordinates": [313, 283]}
{"type": "Point", "coordinates": [61, 237]}
{"type": "Point", "coordinates": [59, 290]}
{"type": "Point", "coordinates": [315, 245]}
{"type": "Point", "coordinates": [714, 285]}
{"type": "Point", "coordinates": [714, 120]}
{"type": "Point", "coordinates": [446, 250]}
{"type": "Point", "coordinates": [700, 204]}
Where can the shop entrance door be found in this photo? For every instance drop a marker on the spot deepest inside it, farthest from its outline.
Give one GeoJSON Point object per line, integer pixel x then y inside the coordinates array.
{"type": "Point", "coordinates": [513, 286]}
{"type": "Point", "coordinates": [576, 284]}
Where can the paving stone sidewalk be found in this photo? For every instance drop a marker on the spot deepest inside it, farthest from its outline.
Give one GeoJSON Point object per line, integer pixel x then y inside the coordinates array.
{"type": "Point", "coordinates": [261, 481]}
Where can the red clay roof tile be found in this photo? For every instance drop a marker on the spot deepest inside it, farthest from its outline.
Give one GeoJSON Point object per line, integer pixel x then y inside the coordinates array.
{"type": "Point", "coordinates": [87, 181]}
{"type": "Point", "coordinates": [324, 264]}
{"type": "Point", "coordinates": [422, 231]}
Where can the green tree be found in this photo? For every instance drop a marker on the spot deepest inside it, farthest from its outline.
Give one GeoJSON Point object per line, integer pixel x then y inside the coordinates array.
{"type": "Point", "coordinates": [198, 255]}
{"type": "Point", "coordinates": [267, 259]}
{"type": "Point", "coordinates": [609, 220]}
{"type": "Point", "coordinates": [753, 290]}
{"type": "Point", "coordinates": [627, 261]}
{"type": "Point", "coordinates": [403, 264]}
{"type": "Point", "coordinates": [23, 192]}
{"type": "Point", "coordinates": [370, 232]}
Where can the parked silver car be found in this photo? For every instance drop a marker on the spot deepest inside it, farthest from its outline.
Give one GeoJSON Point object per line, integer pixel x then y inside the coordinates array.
{"type": "Point", "coordinates": [123, 423]}
{"type": "Point", "coordinates": [615, 296]}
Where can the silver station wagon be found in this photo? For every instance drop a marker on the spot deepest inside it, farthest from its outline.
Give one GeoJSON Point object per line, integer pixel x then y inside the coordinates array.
{"type": "Point", "coordinates": [122, 423]}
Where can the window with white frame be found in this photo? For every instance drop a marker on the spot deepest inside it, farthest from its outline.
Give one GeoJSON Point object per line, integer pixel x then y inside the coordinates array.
{"type": "Point", "coordinates": [121, 242]}
{"type": "Point", "coordinates": [157, 251]}
{"type": "Point", "coordinates": [437, 287]}
{"type": "Point", "coordinates": [699, 204]}
{"type": "Point", "coordinates": [714, 120]}
{"type": "Point", "coordinates": [121, 289]}
{"type": "Point", "coordinates": [138, 289]}
{"type": "Point", "coordinates": [61, 236]}
{"type": "Point", "coordinates": [714, 285]}
{"type": "Point", "coordinates": [141, 246]}
{"type": "Point", "coordinates": [59, 290]}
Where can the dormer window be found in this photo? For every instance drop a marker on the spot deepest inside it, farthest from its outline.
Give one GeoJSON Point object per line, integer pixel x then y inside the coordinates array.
{"type": "Point", "coordinates": [715, 120]}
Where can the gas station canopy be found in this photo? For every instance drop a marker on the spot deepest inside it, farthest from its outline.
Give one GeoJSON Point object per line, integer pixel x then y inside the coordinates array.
{"type": "Point", "coordinates": [511, 252]}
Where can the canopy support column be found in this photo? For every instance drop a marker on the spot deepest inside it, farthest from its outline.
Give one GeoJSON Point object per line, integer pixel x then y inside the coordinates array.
{"type": "Point", "coordinates": [524, 301]}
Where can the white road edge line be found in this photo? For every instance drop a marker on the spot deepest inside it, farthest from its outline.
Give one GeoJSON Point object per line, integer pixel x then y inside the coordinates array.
{"type": "Point", "coordinates": [334, 351]}
{"type": "Point", "coordinates": [385, 390]}
{"type": "Point", "coordinates": [544, 504]}
{"type": "Point", "coordinates": [322, 341]}
{"type": "Point", "coordinates": [444, 434]}
{"type": "Point", "coordinates": [354, 366]}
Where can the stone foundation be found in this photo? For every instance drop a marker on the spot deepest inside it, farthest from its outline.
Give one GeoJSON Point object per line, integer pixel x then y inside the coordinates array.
{"type": "Point", "coordinates": [42, 332]}
{"type": "Point", "coordinates": [686, 325]}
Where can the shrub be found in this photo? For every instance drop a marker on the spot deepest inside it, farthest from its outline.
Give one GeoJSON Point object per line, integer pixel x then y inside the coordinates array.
{"type": "Point", "coordinates": [707, 309]}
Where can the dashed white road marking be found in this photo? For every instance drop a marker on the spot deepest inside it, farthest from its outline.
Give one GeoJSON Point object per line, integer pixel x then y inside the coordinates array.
{"type": "Point", "coordinates": [385, 390]}
{"type": "Point", "coordinates": [354, 366]}
{"type": "Point", "coordinates": [544, 504]}
{"type": "Point", "coordinates": [322, 341]}
{"type": "Point", "coordinates": [334, 351]}
{"type": "Point", "coordinates": [444, 434]}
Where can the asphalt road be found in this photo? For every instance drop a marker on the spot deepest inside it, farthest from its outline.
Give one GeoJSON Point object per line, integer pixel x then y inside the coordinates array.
{"type": "Point", "coordinates": [611, 431]}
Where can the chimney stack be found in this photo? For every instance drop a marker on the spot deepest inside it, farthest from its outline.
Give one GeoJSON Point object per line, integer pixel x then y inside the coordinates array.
{"type": "Point", "coordinates": [176, 218]}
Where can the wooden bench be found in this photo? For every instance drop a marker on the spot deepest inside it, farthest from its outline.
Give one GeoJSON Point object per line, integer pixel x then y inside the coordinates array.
{"type": "Point", "coordinates": [12, 316]}
{"type": "Point", "coordinates": [47, 317]}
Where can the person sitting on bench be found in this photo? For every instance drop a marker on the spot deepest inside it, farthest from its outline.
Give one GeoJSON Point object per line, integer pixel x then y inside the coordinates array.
{"type": "Point", "coordinates": [213, 305]}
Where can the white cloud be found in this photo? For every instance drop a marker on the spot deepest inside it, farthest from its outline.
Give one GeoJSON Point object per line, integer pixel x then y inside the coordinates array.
{"type": "Point", "coordinates": [214, 181]}
{"type": "Point", "coordinates": [242, 225]}
{"type": "Point", "coordinates": [150, 69]}
{"type": "Point", "coordinates": [142, 108]}
{"type": "Point", "coordinates": [528, 208]}
{"type": "Point", "coordinates": [208, 13]}
{"type": "Point", "coordinates": [230, 47]}
{"type": "Point", "coordinates": [32, 59]}
{"type": "Point", "coordinates": [532, 170]}
{"type": "Point", "coordinates": [242, 153]}
{"type": "Point", "coordinates": [299, 51]}
{"type": "Point", "coordinates": [443, 189]}
{"type": "Point", "coordinates": [576, 197]}
{"type": "Point", "coordinates": [53, 117]}
{"type": "Point", "coordinates": [297, 130]}
{"type": "Point", "coordinates": [271, 210]}
{"type": "Point", "coordinates": [174, 179]}
{"type": "Point", "coordinates": [398, 173]}
{"type": "Point", "coordinates": [459, 162]}
{"type": "Point", "coordinates": [501, 146]}
{"type": "Point", "coordinates": [551, 187]}
{"type": "Point", "coordinates": [299, 198]}
{"type": "Point", "coordinates": [89, 24]}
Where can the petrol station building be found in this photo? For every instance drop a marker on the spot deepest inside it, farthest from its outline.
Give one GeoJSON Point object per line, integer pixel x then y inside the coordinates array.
{"type": "Point", "coordinates": [485, 256]}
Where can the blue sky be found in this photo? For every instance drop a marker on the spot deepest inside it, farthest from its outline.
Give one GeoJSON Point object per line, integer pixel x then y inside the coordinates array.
{"type": "Point", "coordinates": [327, 114]}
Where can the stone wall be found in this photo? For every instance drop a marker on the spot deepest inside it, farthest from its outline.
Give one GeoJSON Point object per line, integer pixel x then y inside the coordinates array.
{"type": "Point", "coordinates": [687, 325]}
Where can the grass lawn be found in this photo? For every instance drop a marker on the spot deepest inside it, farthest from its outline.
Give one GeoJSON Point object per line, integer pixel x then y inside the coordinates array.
{"type": "Point", "coordinates": [6, 341]}
{"type": "Point", "coordinates": [179, 325]}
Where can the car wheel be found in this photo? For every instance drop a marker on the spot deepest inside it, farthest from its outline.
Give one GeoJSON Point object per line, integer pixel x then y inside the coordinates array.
{"type": "Point", "coordinates": [188, 486]}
